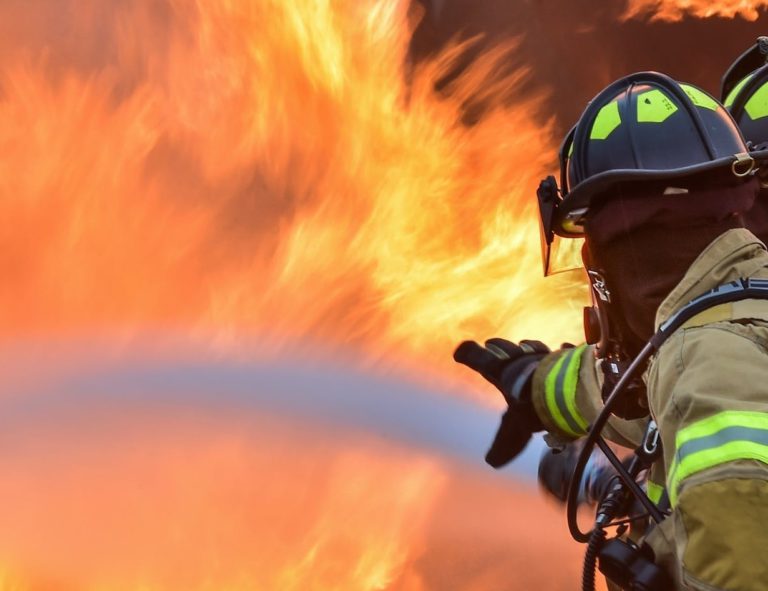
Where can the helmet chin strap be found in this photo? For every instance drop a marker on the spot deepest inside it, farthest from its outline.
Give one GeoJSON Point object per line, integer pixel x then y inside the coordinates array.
{"type": "Point", "coordinates": [600, 327]}
{"type": "Point", "coordinates": [599, 331]}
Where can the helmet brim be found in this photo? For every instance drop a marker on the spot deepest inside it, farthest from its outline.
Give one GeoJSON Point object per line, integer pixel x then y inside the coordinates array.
{"type": "Point", "coordinates": [571, 212]}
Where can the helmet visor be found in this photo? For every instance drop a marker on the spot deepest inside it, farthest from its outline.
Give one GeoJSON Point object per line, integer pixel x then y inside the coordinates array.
{"type": "Point", "coordinates": [558, 254]}
{"type": "Point", "coordinates": [561, 254]}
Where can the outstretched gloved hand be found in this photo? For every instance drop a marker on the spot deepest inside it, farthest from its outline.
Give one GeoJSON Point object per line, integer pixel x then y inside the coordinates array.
{"type": "Point", "coordinates": [510, 368]}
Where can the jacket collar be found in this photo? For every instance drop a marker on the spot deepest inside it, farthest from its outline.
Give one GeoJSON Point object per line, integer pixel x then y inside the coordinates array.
{"type": "Point", "coordinates": [734, 254]}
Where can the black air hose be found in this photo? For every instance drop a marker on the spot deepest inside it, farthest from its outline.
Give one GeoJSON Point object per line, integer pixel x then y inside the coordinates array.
{"type": "Point", "coordinates": [596, 540]}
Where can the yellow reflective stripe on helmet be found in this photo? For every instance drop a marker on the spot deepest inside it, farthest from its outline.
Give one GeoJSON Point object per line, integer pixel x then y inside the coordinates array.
{"type": "Point", "coordinates": [560, 389]}
{"type": "Point", "coordinates": [606, 121]}
{"type": "Point", "coordinates": [654, 107]}
{"type": "Point", "coordinates": [655, 492]}
{"type": "Point", "coordinates": [700, 98]}
{"type": "Point", "coordinates": [724, 437]}
{"type": "Point", "coordinates": [731, 98]}
{"type": "Point", "coordinates": [757, 105]}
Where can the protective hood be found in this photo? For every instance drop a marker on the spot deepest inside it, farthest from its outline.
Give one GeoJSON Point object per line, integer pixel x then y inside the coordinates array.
{"type": "Point", "coordinates": [644, 242]}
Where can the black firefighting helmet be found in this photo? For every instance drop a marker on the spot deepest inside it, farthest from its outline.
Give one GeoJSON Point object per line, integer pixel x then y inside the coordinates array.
{"type": "Point", "coordinates": [744, 92]}
{"type": "Point", "coordinates": [644, 128]}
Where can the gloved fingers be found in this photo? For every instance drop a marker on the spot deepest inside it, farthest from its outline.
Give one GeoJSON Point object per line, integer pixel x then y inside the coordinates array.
{"type": "Point", "coordinates": [534, 347]}
{"type": "Point", "coordinates": [510, 440]}
{"type": "Point", "coordinates": [471, 354]}
{"type": "Point", "coordinates": [480, 359]}
{"type": "Point", "coordinates": [503, 348]}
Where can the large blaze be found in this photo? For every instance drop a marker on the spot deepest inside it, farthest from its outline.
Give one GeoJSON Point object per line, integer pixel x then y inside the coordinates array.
{"type": "Point", "coordinates": [273, 171]}
{"type": "Point", "coordinates": [257, 175]}
{"type": "Point", "coordinates": [254, 178]}
{"type": "Point", "coordinates": [676, 10]}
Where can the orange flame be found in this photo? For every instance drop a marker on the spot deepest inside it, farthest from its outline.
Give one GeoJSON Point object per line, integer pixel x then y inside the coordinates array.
{"type": "Point", "coordinates": [267, 170]}
{"type": "Point", "coordinates": [215, 512]}
{"type": "Point", "coordinates": [203, 501]}
{"type": "Point", "coordinates": [271, 168]}
{"type": "Point", "coordinates": [676, 10]}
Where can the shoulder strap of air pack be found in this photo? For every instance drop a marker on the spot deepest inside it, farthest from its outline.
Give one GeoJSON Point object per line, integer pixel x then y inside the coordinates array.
{"type": "Point", "coordinates": [714, 306]}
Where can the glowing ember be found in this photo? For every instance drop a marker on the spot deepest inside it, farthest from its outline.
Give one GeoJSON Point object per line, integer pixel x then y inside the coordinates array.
{"type": "Point", "coordinates": [675, 10]}
{"type": "Point", "coordinates": [268, 168]}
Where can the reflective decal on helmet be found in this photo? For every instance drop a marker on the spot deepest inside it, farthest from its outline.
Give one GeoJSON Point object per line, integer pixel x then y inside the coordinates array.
{"type": "Point", "coordinates": [746, 95]}
{"type": "Point", "coordinates": [742, 70]}
{"type": "Point", "coordinates": [757, 105]}
{"type": "Point", "coordinates": [731, 98]}
{"type": "Point", "coordinates": [606, 121]}
{"type": "Point", "coordinates": [654, 107]}
{"type": "Point", "coordinates": [700, 98]}
{"type": "Point", "coordinates": [646, 129]}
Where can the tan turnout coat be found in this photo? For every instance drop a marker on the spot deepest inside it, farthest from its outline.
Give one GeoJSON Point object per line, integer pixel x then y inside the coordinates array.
{"type": "Point", "coordinates": [708, 393]}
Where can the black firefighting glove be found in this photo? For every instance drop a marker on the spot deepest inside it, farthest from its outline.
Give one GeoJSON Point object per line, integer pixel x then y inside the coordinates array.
{"type": "Point", "coordinates": [510, 368]}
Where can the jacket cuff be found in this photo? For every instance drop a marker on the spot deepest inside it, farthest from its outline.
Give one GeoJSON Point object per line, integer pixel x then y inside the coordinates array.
{"type": "Point", "coordinates": [553, 393]}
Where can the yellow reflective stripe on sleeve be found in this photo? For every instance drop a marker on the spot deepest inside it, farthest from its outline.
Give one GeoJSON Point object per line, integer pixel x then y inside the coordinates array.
{"type": "Point", "coordinates": [725, 437]}
{"type": "Point", "coordinates": [560, 389]}
{"type": "Point", "coordinates": [549, 385]}
{"type": "Point", "coordinates": [720, 421]}
{"type": "Point", "coordinates": [655, 491]}
{"type": "Point", "coordinates": [570, 384]}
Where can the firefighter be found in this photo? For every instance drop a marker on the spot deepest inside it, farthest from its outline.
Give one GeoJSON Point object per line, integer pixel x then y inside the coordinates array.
{"type": "Point", "coordinates": [744, 92]}
{"type": "Point", "coordinates": [658, 180]}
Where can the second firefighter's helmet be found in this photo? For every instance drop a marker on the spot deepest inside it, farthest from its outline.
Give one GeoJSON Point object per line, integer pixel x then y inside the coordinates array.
{"type": "Point", "coordinates": [744, 92]}
{"type": "Point", "coordinates": [644, 128]}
